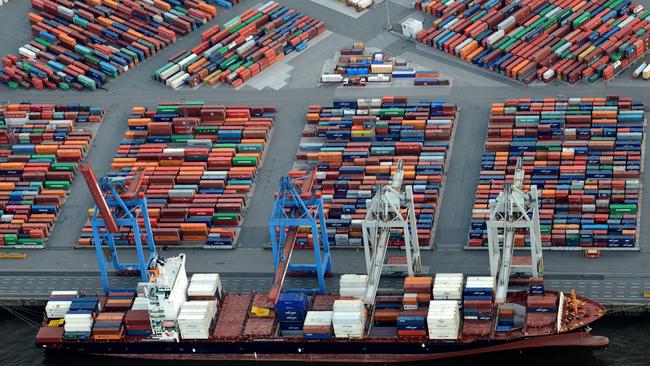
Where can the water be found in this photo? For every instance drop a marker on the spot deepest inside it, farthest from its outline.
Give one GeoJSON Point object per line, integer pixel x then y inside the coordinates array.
{"type": "Point", "coordinates": [629, 346]}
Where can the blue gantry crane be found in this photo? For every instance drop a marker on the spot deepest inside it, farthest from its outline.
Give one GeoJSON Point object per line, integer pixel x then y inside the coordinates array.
{"type": "Point", "coordinates": [297, 206]}
{"type": "Point", "coordinates": [119, 203]}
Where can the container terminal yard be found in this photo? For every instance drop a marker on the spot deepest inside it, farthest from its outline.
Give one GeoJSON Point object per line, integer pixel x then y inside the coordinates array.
{"type": "Point", "coordinates": [617, 278]}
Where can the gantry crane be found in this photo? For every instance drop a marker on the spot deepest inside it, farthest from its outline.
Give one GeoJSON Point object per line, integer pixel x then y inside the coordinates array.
{"type": "Point", "coordinates": [119, 203]}
{"type": "Point", "coordinates": [385, 214]}
{"type": "Point", "coordinates": [514, 211]}
{"type": "Point", "coordinates": [296, 206]}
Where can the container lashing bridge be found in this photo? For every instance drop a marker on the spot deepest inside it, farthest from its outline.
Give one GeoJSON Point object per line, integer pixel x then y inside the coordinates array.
{"type": "Point", "coordinates": [296, 206]}
{"type": "Point", "coordinates": [119, 203]}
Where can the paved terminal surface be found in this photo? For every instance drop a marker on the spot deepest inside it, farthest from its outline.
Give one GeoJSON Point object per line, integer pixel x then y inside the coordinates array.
{"type": "Point", "coordinates": [616, 277]}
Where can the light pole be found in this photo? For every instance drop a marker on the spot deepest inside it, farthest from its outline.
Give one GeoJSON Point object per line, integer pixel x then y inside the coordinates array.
{"type": "Point", "coordinates": [389, 25]}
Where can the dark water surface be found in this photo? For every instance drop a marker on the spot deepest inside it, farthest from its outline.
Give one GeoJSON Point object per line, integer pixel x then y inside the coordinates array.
{"type": "Point", "coordinates": [629, 346]}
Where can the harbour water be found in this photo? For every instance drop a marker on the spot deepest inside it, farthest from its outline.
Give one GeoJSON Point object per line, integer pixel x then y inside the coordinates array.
{"type": "Point", "coordinates": [629, 346]}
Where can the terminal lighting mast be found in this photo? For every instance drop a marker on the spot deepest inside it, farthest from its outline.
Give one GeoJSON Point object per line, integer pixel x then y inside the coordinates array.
{"type": "Point", "coordinates": [385, 214]}
{"type": "Point", "coordinates": [511, 212]}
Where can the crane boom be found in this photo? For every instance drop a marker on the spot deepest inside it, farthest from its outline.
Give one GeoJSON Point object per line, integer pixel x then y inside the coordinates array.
{"type": "Point", "coordinates": [97, 195]}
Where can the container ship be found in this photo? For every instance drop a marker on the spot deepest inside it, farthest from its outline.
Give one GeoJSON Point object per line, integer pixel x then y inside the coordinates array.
{"type": "Point", "coordinates": [442, 316]}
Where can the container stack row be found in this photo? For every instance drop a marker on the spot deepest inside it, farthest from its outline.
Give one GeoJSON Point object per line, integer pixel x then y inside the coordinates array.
{"type": "Point", "coordinates": [356, 144]}
{"type": "Point", "coordinates": [585, 157]}
{"type": "Point", "coordinates": [41, 146]}
{"type": "Point", "coordinates": [540, 40]}
{"type": "Point", "coordinates": [199, 164]}
{"type": "Point", "coordinates": [84, 44]}
{"type": "Point", "coordinates": [242, 48]}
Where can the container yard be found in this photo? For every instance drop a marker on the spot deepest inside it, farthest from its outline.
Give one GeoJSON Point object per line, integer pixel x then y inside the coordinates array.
{"type": "Point", "coordinates": [586, 157]}
{"type": "Point", "coordinates": [242, 48]}
{"type": "Point", "coordinates": [540, 41]}
{"type": "Point", "coordinates": [355, 144]}
{"type": "Point", "coordinates": [358, 66]}
{"type": "Point", "coordinates": [84, 45]}
{"type": "Point", "coordinates": [41, 146]}
{"type": "Point", "coordinates": [285, 171]}
{"type": "Point", "coordinates": [199, 161]}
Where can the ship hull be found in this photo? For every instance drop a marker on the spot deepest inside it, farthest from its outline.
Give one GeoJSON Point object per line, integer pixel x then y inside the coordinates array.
{"type": "Point", "coordinates": [324, 351]}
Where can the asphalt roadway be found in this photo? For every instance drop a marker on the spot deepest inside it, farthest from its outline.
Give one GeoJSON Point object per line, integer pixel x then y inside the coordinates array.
{"type": "Point", "coordinates": [615, 277]}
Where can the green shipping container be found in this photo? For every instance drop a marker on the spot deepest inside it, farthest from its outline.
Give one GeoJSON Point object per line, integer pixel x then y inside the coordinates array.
{"type": "Point", "coordinates": [57, 184]}
{"type": "Point", "coordinates": [244, 161]}
{"type": "Point", "coordinates": [224, 216]}
{"type": "Point", "coordinates": [10, 239]}
{"type": "Point", "coordinates": [622, 209]}
{"type": "Point", "coordinates": [391, 112]}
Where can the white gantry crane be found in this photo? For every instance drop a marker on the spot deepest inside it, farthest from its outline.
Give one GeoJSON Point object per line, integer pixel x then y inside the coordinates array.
{"type": "Point", "coordinates": [511, 212]}
{"type": "Point", "coordinates": [385, 214]}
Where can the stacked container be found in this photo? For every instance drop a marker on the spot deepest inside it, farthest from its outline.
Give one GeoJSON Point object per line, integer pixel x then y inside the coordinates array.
{"type": "Point", "coordinates": [291, 309]}
{"type": "Point", "coordinates": [78, 326]}
{"type": "Point", "coordinates": [205, 286]}
{"type": "Point", "coordinates": [108, 326]}
{"type": "Point", "coordinates": [443, 319]}
{"type": "Point", "coordinates": [196, 318]}
{"type": "Point", "coordinates": [245, 46]}
{"type": "Point", "coordinates": [199, 163]}
{"type": "Point", "coordinates": [478, 297]}
{"type": "Point", "coordinates": [417, 292]}
{"type": "Point", "coordinates": [448, 286]}
{"type": "Point", "coordinates": [583, 154]}
{"type": "Point", "coordinates": [355, 144]}
{"type": "Point", "coordinates": [541, 40]}
{"type": "Point", "coordinates": [84, 44]}
{"type": "Point", "coordinates": [41, 146]}
{"type": "Point", "coordinates": [119, 301]}
{"type": "Point", "coordinates": [349, 319]}
{"type": "Point", "coordinates": [353, 285]}
{"type": "Point", "coordinates": [318, 325]}
{"type": "Point", "coordinates": [137, 322]}
{"type": "Point", "coordinates": [59, 303]}
{"type": "Point", "coordinates": [412, 324]}
{"type": "Point", "coordinates": [541, 311]}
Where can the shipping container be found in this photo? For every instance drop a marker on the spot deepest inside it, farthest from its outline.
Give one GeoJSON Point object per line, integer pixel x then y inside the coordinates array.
{"type": "Point", "coordinates": [242, 47]}
{"type": "Point", "coordinates": [355, 145]}
{"type": "Point", "coordinates": [200, 163]}
{"type": "Point", "coordinates": [540, 33]}
{"type": "Point", "coordinates": [41, 146]}
{"type": "Point", "coordinates": [584, 156]}
{"type": "Point", "coordinates": [87, 43]}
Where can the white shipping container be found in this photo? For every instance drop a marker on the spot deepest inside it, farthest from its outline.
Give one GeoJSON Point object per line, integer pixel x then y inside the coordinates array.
{"type": "Point", "coordinates": [646, 73]}
{"type": "Point", "coordinates": [319, 317]}
{"type": "Point", "coordinates": [169, 72]}
{"type": "Point", "coordinates": [331, 78]}
{"type": "Point", "coordinates": [57, 309]}
{"type": "Point", "coordinates": [379, 78]}
{"type": "Point", "coordinates": [495, 37]}
{"type": "Point", "coordinates": [548, 74]}
{"type": "Point", "coordinates": [26, 53]}
{"type": "Point", "coordinates": [348, 306]}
